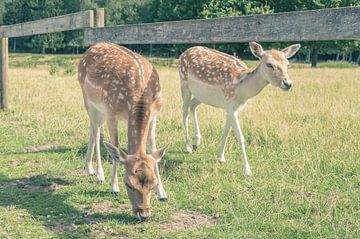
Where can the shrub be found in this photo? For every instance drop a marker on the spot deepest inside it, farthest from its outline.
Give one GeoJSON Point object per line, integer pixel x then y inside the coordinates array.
{"type": "Point", "coordinates": [53, 69]}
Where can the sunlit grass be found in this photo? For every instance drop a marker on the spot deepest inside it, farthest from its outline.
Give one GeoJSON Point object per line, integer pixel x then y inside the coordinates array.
{"type": "Point", "coordinates": [303, 147]}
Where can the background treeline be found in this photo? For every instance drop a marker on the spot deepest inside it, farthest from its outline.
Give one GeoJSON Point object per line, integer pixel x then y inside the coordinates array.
{"type": "Point", "coordinates": [144, 11]}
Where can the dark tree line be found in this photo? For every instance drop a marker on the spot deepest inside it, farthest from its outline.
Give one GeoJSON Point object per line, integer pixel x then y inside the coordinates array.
{"type": "Point", "coordinates": [144, 11]}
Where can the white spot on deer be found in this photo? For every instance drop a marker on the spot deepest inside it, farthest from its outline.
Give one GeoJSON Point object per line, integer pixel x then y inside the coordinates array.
{"type": "Point", "coordinates": [158, 94]}
{"type": "Point", "coordinates": [120, 96]}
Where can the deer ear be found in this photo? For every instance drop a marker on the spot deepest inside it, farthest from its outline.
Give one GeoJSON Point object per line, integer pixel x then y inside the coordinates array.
{"type": "Point", "coordinates": [256, 49]}
{"type": "Point", "coordinates": [160, 153]}
{"type": "Point", "coordinates": [291, 50]}
{"type": "Point", "coordinates": [116, 154]}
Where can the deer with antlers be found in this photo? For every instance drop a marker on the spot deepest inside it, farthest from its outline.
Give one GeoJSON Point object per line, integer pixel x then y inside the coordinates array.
{"type": "Point", "coordinates": [119, 84]}
{"type": "Point", "coordinates": [220, 80]}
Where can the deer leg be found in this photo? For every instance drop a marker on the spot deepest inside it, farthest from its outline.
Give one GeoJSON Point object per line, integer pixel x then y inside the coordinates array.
{"type": "Point", "coordinates": [90, 152]}
{"type": "Point", "coordinates": [241, 140]}
{"type": "Point", "coordinates": [221, 155]}
{"type": "Point", "coordinates": [112, 125]}
{"type": "Point", "coordinates": [161, 193]}
{"type": "Point", "coordinates": [186, 96]}
{"type": "Point", "coordinates": [151, 140]}
{"type": "Point", "coordinates": [152, 135]}
{"type": "Point", "coordinates": [99, 168]}
{"type": "Point", "coordinates": [197, 136]}
{"type": "Point", "coordinates": [96, 119]}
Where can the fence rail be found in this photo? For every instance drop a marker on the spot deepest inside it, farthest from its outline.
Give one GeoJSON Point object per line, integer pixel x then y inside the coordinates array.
{"type": "Point", "coordinates": [68, 22]}
{"type": "Point", "coordinates": [325, 24]}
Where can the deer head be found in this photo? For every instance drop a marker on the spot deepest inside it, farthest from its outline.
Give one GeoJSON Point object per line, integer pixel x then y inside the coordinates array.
{"type": "Point", "coordinates": [140, 178]}
{"type": "Point", "coordinates": [274, 64]}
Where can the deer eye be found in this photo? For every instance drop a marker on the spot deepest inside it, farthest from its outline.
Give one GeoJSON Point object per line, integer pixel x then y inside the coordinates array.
{"type": "Point", "coordinates": [270, 66]}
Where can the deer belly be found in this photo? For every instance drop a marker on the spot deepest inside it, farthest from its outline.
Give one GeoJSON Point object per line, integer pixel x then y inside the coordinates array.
{"type": "Point", "coordinates": [207, 94]}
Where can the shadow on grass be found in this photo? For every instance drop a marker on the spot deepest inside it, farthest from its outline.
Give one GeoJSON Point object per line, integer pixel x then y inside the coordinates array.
{"type": "Point", "coordinates": [38, 195]}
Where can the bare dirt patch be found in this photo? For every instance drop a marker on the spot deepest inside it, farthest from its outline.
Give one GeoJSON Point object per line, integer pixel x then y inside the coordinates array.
{"type": "Point", "coordinates": [187, 220]}
{"type": "Point", "coordinates": [44, 147]}
{"type": "Point", "coordinates": [77, 172]}
{"type": "Point", "coordinates": [64, 228]}
{"type": "Point", "coordinates": [108, 207]}
{"type": "Point", "coordinates": [37, 162]}
{"type": "Point", "coordinates": [178, 221]}
{"type": "Point", "coordinates": [29, 186]}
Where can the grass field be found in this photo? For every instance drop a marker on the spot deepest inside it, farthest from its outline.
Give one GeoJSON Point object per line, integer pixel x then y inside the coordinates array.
{"type": "Point", "coordinates": [303, 147]}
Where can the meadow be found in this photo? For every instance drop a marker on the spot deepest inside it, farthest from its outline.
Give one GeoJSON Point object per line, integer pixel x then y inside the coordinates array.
{"type": "Point", "coordinates": [303, 147]}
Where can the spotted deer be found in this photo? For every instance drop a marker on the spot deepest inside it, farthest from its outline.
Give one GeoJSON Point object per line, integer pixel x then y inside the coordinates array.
{"type": "Point", "coordinates": [220, 80]}
{"type": "Point", "coordinates": [119, 84]}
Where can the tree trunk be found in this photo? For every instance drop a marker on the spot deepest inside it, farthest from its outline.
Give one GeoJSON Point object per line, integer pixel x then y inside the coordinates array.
{"type": "Point", "coordinates": [314, 56]}
{"type": "Point", "coordinates": [338, 56]}
{"type": "Point", "coordinates": [358, 59]}
{"type": "Point", "coordinates": [350, 56]}
{"type": "Point", "coordinates": [307, 60]}
{"type": "Point", "coordinates": [43, 50]}
{"type": "Point", "coordinates": [343, 56]}
{"type": "Point", "coordinates": [77, 50]}
{"type": "Point", "coordinates": [14, 46]}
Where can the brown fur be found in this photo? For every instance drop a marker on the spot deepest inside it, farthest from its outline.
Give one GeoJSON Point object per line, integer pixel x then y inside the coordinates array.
{"type": "Point", "coordinates": [123, 84]}
{"type": "Point", "coordinates": [213, 67]}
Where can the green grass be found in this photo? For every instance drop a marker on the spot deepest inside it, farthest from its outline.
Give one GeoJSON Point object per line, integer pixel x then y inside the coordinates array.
{"type": "Point", "coordinates": [303, 147]}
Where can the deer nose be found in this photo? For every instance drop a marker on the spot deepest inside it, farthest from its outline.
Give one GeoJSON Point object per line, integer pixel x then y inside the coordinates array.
{"type": "Point", "coordinates": [144, 214]}
{"type": "Point", "coordinates": [287, 84]}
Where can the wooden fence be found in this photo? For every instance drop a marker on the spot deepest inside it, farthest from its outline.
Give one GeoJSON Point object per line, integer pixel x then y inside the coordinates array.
{"type": "Point", "coordinates": [314, 25]}
{"type": "Point", "coordinates": [80, 20]}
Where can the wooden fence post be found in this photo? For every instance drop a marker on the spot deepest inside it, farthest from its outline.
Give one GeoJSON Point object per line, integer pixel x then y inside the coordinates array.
{"type": "Point", "coordinates": [99, 17]}
{"type": "Point", "coordinates": [4, 59]}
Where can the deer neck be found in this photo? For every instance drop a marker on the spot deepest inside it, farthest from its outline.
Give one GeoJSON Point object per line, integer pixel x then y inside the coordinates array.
{"type": "Point", "coordinates": [137, 137]}
{"type": "Point", "coordinates": [138, 125]}
{"type": "Point", "coordinates": [250, 85]}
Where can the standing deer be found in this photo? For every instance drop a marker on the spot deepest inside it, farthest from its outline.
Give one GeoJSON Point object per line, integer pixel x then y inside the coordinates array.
{"type": "Point", "coordinates": [118, 83]}
{"type": "Point", "coordinates": [223, 81]}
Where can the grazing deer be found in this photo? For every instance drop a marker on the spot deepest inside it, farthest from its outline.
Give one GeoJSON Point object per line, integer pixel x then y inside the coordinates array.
{"type": "Point", "coordinates": [118, 83]}
{"type": "Point", "coordinates": [223, 81]}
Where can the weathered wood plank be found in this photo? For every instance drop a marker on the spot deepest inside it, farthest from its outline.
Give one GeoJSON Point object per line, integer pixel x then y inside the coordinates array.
{"type": "Point", "coordinates": [325, 24]}
{"type": "Point", "coordinates": [3, 72]}
{"type": "Point", "coordinates": [99, 17]}
{"type": "Point", "coordinates": [68, 22]}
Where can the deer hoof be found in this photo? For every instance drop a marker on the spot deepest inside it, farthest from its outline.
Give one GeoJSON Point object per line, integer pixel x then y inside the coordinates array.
{"type": "Point", "coordinates": [221, 160]}
{"type": "Point", "coordinates": [115, 193]}
{"type": "Point", "coordinates": [248, 172]}
{"type": "Point", "coordinates": [163, 199]}
{"type": "Point", "coordinates": [188, 149]}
